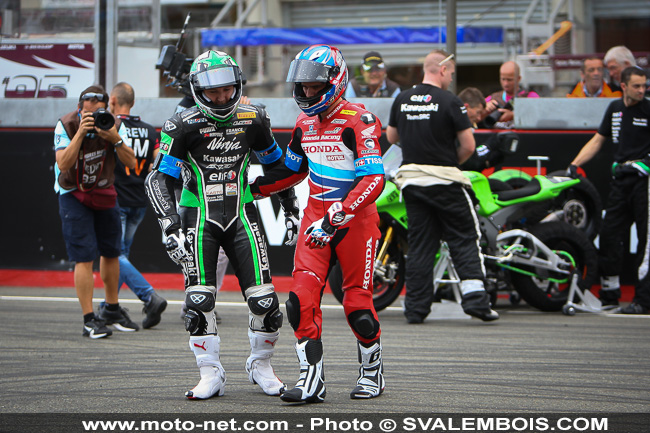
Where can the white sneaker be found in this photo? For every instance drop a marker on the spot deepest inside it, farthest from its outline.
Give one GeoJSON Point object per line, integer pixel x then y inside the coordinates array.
{"type": "Point", "coordinates": [261, 373]}
{"type": "Point", "coordinates": [212, 383]}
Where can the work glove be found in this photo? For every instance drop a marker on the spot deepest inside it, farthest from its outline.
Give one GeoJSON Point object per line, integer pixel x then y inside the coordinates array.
{"type": "Point", "coordinates": [572, 171]}
{"type": "Point", "coordinates": [178, 247]}
{"type": "Point", "coordinates": [642, 166]}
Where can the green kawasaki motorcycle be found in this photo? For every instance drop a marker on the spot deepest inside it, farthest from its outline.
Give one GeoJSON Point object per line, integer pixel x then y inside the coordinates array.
{"type": "Point", "coordinates": [527, 249]}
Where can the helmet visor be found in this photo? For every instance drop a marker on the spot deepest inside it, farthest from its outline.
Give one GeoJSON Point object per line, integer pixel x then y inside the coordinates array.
{"type": "Point", "coordinates": [217, 77]}
{"type": "Point", "coordinates": [306, 71]}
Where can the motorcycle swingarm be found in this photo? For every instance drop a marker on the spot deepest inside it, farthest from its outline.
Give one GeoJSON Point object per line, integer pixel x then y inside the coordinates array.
{"type": "Point", "coordinates": [525, 249]}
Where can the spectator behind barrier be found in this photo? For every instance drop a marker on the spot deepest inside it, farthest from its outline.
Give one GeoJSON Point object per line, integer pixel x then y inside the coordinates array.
{"type": "Point", "coordinates": [616, 60]}
{"type": "Point", "coordinates": [503, 101]}
{"type": "Point", "coordinates": [592, 84]}
{"type": "Point", "coordinates": [373, 82]}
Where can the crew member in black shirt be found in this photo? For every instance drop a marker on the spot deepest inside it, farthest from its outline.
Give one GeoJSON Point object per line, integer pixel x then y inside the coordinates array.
{"type": "Point", "coordinates": [626, 122]}
{"type": "Point", "coordinates": [428, 119]}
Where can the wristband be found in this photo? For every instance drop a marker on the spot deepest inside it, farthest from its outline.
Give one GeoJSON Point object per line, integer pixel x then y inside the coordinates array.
{"type": "Point", "coordinates": [118, 144]}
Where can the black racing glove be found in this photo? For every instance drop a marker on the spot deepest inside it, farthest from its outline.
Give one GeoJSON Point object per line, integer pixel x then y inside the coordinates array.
{"type": "Point", "coordinates": [289, 203]}
{"type": "Point", "coordinates": [176, 244]}
{"type": "Point", "coordinates": [178, 247]}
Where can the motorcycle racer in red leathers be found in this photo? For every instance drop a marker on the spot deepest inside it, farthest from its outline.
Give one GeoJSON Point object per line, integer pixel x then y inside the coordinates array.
{"type": "Point", "coordinates": [335, 144]}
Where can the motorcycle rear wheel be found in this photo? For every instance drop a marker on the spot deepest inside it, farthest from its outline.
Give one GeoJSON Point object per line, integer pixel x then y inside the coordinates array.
{"type": "Point", "coordinates": [546, 295]}
{"type": "Point", "coordinates": [580, 206]}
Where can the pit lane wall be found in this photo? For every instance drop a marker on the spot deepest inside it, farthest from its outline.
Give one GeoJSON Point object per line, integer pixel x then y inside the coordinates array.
{"type": "Point", "coordinates": [32, 237]}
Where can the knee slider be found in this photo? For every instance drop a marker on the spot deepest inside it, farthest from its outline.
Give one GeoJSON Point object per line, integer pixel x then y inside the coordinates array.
{"type": "Point", "coordinates": [264, 308]}
{"type": "Point", "coordinates": [195, 322]}
{"type": "Point", "coordinates": [364, 323]}
{"type": "Point", "coordinates": [293, 310]}
{"type": "Point", "coordinates": [201, 298]}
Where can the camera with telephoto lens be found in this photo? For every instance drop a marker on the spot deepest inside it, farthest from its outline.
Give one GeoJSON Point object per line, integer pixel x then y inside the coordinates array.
{"type": "Point", "coordinates": [176, 68]}
{"type": "Point", "coordinates": [103, 119]}
{"type": "Point", "coordinates": [494, 116]}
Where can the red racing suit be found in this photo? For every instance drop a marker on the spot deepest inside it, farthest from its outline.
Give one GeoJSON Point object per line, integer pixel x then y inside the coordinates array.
{"type": "Point", "coordinates": [341, 155]}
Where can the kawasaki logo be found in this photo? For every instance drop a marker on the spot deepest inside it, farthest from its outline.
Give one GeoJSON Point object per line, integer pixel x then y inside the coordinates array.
{"type": "Point", "coordinates": [429, 107]}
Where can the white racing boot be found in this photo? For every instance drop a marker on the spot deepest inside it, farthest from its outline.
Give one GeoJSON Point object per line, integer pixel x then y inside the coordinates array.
{"type": "Point", "coordinates": [258, 364]}
{"type": "Point", "coordinates": [310, 387]}
{"type": "Point", "coordinates": [213, 376]}
{"type": "Point", "coordinates": [371, 373]}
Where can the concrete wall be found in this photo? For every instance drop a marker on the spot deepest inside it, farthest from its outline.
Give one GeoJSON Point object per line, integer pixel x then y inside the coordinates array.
{"type": "Point", "coordinates": [537, 113]}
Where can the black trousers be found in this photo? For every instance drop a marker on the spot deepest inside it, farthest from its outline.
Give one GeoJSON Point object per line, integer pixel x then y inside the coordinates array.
{"type": "Point", "coordinates": [627, 203]}
{"type": "Point", "coordinates": [435, 213]}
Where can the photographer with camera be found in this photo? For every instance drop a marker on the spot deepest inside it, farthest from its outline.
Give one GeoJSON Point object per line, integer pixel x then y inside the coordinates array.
{"type": "Point", "coordinates": [86, 142]}
{"type": "Point", "coordinates": [497, 146]}
{"type": "Point", "coordinates": [499, 111]}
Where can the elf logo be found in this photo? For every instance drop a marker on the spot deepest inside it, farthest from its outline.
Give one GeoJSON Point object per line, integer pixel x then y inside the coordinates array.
{"type": "Point", "coordinates": [421, 98]}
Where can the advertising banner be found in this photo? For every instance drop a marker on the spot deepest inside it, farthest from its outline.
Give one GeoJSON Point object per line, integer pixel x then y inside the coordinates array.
{"type": "Point", "coordinates": [45, 70]}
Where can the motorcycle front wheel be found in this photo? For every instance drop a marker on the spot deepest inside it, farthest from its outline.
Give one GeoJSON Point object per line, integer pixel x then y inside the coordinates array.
{"type": "Point", "coordinates": [388, 278]}
{"type": "Point", "coordinates": [566, 240]}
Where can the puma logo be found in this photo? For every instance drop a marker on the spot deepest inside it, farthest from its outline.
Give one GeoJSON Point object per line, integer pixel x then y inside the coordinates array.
{"type": "Point", "coordinates": [202, 346]}
{"type": "Point", "coordinates": [272, 343]}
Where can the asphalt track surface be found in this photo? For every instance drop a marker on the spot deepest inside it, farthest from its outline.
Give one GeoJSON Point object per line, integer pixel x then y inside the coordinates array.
{"type": "Point", "coordinates": [528, 362]}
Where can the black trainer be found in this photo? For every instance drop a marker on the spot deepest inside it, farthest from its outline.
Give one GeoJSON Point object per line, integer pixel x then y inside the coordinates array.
{"type": "Point", "coordinates": [96, 328]}
{"type": "Point", "coordinates": [633, 308]}
{"type": "Point", "coordinates": [477, 304]}
{"type": "Point", "coordinates": [412, 318]}
{"type": "Point", "coordinates": [609, 298]}
{"type": "Point", "coordinates": [120, 319]}
{"type": "Point", "coordinates": [153, 309]}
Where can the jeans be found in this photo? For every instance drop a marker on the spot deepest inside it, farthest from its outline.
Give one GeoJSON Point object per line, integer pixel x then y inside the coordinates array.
{"type": "Point", "coordinates": [131, 218]}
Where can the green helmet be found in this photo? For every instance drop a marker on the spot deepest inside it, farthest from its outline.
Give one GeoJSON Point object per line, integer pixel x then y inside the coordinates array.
{"type": "Point", "coordinates": [210, 70]}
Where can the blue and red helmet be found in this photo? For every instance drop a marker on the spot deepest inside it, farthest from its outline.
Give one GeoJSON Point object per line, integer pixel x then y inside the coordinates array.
{"type": "Point", "coordinates": [318, 63]}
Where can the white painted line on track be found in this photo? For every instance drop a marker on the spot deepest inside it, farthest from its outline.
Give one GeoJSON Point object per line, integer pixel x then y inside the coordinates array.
{"type": "Point", "coordinates": [243, 304]}
{"type": "Point", "coordinates": [130, 301]}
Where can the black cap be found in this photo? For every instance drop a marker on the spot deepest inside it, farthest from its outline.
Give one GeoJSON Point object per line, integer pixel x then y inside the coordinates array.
{"type": "Point", "coordinates": [373, 59]}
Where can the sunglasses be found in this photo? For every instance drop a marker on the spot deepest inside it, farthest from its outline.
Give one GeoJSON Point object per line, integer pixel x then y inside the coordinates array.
{"type": "Point", "coordinates": [376, 66]}
{"type": "Point", "coordinates": [88, 96]}
{"type": "Point", "coordinates": [446, 59]}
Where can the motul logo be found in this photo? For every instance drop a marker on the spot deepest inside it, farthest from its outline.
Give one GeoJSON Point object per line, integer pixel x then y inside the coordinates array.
{"type": "Point", "coordinates": [322, 148]}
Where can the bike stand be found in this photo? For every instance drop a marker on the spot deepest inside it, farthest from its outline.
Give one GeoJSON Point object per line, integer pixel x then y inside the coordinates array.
{"type": "Point", "coordinates": [446, 309]}
{"type": "Point", "coordinates": [588, 302]}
